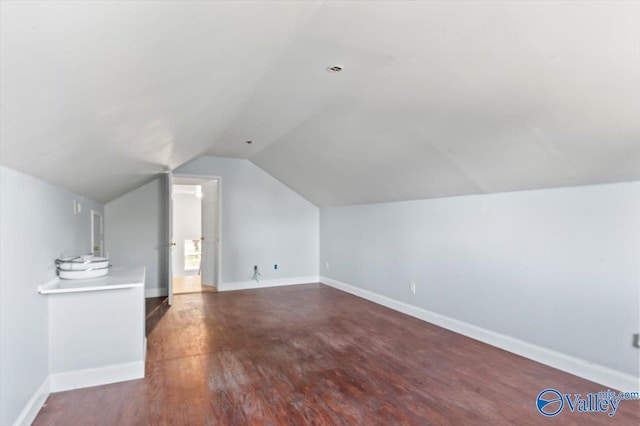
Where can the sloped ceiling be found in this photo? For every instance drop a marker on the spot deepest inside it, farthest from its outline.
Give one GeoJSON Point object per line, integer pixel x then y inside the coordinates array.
{"type": "Point", "coordinates": [436, 98]}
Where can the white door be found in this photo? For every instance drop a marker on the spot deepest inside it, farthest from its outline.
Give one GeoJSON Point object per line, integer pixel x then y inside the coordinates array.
{"type": "Point", "coordinates": [209, 232]}
{"type": "Point", "coordinates": [170, 244]}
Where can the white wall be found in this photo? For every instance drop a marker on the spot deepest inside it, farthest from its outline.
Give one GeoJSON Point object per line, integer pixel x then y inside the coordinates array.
{"type": "Point", "coordinates": [263, 222]}
{"type": "Point", "coordinates": [110, 332]}
{"type": "Point", "coordinates": [210, 230]}
{"type": "Point", "coordinates": [558, 268]}
{"type": "Point", "coordinates": [135, 232]}
{"type": "Point", "coordinates": [187, 224]}
{"type": "Point", "coordinates": [38, 225]}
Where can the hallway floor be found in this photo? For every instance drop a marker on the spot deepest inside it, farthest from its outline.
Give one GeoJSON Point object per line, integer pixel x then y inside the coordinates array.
{"type": "Point", "coordinates": [190, 284]}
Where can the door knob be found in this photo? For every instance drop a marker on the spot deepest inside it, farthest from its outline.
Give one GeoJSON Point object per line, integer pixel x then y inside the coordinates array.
{"type": "Point", "coordinates": [170, 244]}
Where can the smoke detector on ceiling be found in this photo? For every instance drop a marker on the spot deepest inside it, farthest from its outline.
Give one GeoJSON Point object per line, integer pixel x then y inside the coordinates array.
{"type": "Point", "coordinates": [335, 68]}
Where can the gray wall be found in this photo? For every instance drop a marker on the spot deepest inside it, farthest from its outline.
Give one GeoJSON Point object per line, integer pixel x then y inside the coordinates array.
{"type": "Point", "coordinates": [263, 222]}
{"type": "Point", "coordinates": [135, 232]}
{"type": "Point", "coordinates": [38, 225]}
{"type": "Point", "coordinates": [558, 268]}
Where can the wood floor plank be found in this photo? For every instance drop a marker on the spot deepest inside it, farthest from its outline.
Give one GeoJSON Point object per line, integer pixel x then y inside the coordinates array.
{"type": "Point", "coordinates": [314, 355]}
{"type": "Point", "coordinates": [183, 284]}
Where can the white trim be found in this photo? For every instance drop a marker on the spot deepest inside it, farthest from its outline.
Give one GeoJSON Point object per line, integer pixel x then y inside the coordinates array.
{"type": "Point", "coordinates": [155, 292]}
{"type": "Point", "coordinates": [218, 265]}
{"type": "Point", "coordinates": [96, 376]}
{"type": "Point", "coordinates": [32, 408]}
{"type": "Point", "coordinates": [244, 285]}
{"type": "Point", "coordinates": [79, 379]}
{"type": "Point", "coordinates": [169, 235]}
{"type": "Point", "coordinates": [608, 377]}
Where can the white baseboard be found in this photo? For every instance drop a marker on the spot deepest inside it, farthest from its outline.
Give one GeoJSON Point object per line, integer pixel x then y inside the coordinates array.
{"type": "Point", "coordinates": [32, 408]}
{"type": "Point", "coordinates": [75, 380]}
{"type": "Point", "coordinates": [605, 376]}
{"type": "Point", "coordinates": [96, 376]}
{"type": "Point", "coordinates": [244, 285]}
{"type": "Point", "coordinates": [155, 292]}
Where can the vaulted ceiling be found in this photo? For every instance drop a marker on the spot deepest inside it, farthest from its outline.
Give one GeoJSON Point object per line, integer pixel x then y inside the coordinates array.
{"type": "Point", "coordinates": [435, 98]}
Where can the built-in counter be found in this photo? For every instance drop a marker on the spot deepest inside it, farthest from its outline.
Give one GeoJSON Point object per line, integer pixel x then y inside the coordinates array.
{"type": "Point", "coordinates": [96, 329]}
{"type": "Point", "coordinates": [118, 278]}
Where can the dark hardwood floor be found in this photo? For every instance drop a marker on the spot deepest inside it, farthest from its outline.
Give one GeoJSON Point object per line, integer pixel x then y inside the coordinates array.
{"type": "Point", "coordinates": [314, 355]}
{"type": "Point", "coordinates": [155, 308]}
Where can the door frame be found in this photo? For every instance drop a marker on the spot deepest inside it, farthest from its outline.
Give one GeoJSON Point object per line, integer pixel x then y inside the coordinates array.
{"type": "Point", "coordinates": [169, 234]}
{"type": "Point", "coordinates": [218, 260]}
{"type": "Point", "coordinates": [93, 243]}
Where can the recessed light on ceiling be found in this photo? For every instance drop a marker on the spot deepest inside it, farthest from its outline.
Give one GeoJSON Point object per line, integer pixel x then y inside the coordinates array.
{"type": "Point", "coordinates": [335, 68]}
{"type": "Point", "coordinates": [248, 142]}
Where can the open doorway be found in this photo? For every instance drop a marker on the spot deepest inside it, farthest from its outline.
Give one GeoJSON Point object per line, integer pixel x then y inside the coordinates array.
{"type": "Point", "coordinates": [195, 235]}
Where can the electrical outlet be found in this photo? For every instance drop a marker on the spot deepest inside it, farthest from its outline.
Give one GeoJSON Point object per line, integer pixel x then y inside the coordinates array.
{"type": "Point", "coordinates": [327, 265]}
{"type": "Point", "coordinates": [413, 287]}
